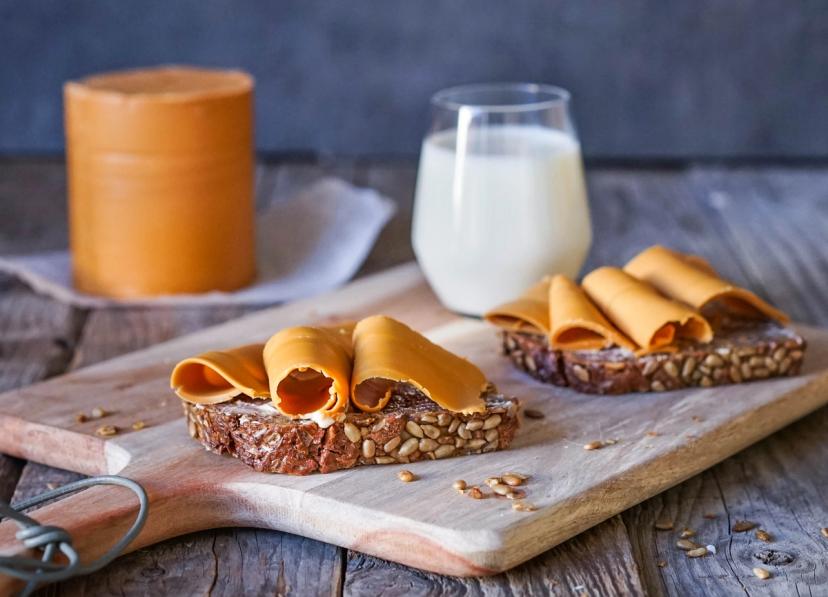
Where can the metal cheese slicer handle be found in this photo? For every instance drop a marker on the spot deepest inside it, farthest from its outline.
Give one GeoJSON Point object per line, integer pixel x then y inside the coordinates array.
{"type": "Point", "coordinates": [51, 539]}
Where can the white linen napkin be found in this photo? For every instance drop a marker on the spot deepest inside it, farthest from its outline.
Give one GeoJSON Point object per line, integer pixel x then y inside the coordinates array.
{"type": "Point", "coordinates": [306, 244]}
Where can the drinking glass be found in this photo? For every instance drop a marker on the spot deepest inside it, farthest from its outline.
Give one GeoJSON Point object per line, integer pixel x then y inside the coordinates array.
{"type": "Point", "coordinates": [501, 199]}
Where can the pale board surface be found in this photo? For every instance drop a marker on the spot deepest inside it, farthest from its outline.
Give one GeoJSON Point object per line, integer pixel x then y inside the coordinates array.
{"type": "Point", "coordinates": [423, 524]}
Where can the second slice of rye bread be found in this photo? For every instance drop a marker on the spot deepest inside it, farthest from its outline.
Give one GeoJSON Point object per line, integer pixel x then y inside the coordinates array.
{"type": "Point", "coordinates": [742, 350]}
{"type": "Point", "coordinates": [410, 428]}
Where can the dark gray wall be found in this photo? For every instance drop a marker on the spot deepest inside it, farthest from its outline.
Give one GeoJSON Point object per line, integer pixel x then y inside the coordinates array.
{"type": "Point", "coordinates": [651, 78]}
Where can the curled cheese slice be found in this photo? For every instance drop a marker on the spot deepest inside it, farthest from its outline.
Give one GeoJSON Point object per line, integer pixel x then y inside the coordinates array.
{"type": "Point", "coordinates": [388, 353]}
{"type": "Point", "coordinates": [651, 320]}
{"type": "Point", "coordinates": [527, 313]}
{"type": "Point", "coordinates": [576, 323]}
{"type": "Point", "coordinates": [691, 280]}
{"type": "Point", "coordinates": [309, 369]}
{"type": "Point", "coordinates": [219, 376]}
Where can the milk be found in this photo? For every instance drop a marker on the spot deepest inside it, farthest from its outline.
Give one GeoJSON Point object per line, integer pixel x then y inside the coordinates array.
{"type": "Point", "coordinates": [492, 220]}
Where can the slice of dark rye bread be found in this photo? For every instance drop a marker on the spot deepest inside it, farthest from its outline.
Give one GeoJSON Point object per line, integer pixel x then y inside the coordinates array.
{"type": "Point", "coordinates": [410, 428]}
{"type": "Point", "coordinates": [742, 350]}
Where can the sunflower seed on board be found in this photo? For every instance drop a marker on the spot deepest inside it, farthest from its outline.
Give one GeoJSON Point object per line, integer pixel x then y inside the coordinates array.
{"type": "Point", "coordinates": [761, 573]}
{"type": "Point", "coordinates": [741, 526]}
{"type": "Point", "coordinates": [406, 476]}
{"type": "Point", "coordinates": [475, 493]}
{"type": "Point", "coordinates": [531, 413]}
{"type": "Point", "coordinates": [596, 445]}
{"type": "Point", "coordinates": [459, 485]}
{"type": "Point", "coordinates": [664, 524]}
{"type": "Point", "coordinates": [686, 544]}
{"type": "Point", "coordinates": [523, 507]}
{"type": "Point", "coordinates": [763, 535]}
{"type": "Point", "coordinates": [699, 552]}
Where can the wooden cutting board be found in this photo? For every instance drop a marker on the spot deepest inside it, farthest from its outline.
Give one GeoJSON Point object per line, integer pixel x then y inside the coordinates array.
{"type": "Point", "coordinates": [662, 439]}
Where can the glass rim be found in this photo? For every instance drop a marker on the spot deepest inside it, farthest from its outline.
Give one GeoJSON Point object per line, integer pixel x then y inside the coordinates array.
{"type": "Point", "coordinates": [555, 96]}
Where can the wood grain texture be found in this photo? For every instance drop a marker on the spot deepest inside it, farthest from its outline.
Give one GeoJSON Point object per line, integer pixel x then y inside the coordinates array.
{"type": "Point", "coordinates": [596, 562]}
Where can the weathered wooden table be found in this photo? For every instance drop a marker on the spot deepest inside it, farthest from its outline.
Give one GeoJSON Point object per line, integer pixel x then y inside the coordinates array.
{"type": "Point", "coordinates": [764, 227]}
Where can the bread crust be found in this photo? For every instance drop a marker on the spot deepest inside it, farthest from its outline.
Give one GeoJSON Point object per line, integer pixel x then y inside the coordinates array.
{"type": "Point", "coordinates": [410, 428]}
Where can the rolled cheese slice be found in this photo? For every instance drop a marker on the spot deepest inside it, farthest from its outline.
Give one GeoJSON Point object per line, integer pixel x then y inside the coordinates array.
{"type": "Point", "coordinates": [575, 321]}
{"type": "Point", "coordinates": [528, 313]}
{"type": "Point", "coordinates": [388, 353]}
{"type": "Point", "coordinates": [219, 376]}
{"type": "Point", "coordinates": [691, 280]}
{"type": "Point", "coordinates": [649, 319]}
{"type": "Point", "coordinates": [309, 370]}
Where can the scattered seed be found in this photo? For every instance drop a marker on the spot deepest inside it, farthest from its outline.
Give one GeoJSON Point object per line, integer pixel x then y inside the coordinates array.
{"type": "Point", "coordinates": [106, 430]}
{"type": "Point", "coordinates": [138, 425]}
{"type": "Point", "coordinates": [824, 532]}
{"type": "Point", "coordinates": [687, 533]}
{"type": "Point", "coordinates": [516, 494]}
{"type": "Point", "coordinates": [740, 526]}
{"type": "Point", "coordinates": [761, 573]}
{"type": "Point", "coordinates": [512, 480]}
{"type": "Point", "coordinates": [459, 485]}
{"type": "Point", "coordinates": [610, 442]}
{"type": "Point", "coordinates": [98, 413]}
{"type": "Point", "coordinates": [500, 488]}
{"type": "Point", "coordinates": [520, 476]}
{"type": "Point", "coordinates": [686, 544]}
{"type": "Point", "coordinates": [661, 563]}
{"type": "Point", "coordinates": [81, 418]}
{"type": "Point", "coordinates": [406, 476]}
{"type": "Point", "coordinates": [699, 552]}
{"type": "Point", "coordinates": [523, 506]}
{"type": "Point", "coordinates": [664, 525]}
{"type": "Point", "coordinates": [492, 481]}
{"type": "Point", "coordinates": [531, 413]}
{"type": "Point", "coordinates": [763, 535]}
{"type": "Point", "coordinates": [475, 493]}
{"type": "Point", "coordinates": [51, 485]}
{"type": "Point", "coordinates": [594, 445]}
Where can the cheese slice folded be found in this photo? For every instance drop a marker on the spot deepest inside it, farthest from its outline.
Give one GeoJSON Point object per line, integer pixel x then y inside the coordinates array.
{"type": "Point", "coordinates": [649, 319]}
{"type": "Point", "coordinates": [219, 376]}
{"type": "Point", "coordinates": [527, 313]}
{"type": "Point", "coordinates": [691, 280]}
{"type": "Point", "coordinates": [389, 353]}
{"type": "Point", "coordinates": [575, 321]}
{"type": "Point", "coordinates": [309, 369]}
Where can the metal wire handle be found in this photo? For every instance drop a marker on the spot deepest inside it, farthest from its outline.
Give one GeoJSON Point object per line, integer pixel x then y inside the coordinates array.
{"type": "Point", "coordinates": [51, 539]}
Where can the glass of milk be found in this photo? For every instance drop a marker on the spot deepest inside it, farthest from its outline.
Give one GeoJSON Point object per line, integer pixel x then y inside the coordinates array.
{"type": "Point", "coordinates": [500, 200]}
